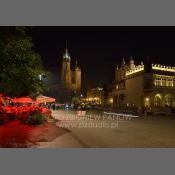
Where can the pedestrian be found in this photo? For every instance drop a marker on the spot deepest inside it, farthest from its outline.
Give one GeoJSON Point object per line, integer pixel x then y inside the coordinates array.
{"type": "Point", "coordinates": [145, 112]}
{"type": "Point", "coordinates": [139, 111]}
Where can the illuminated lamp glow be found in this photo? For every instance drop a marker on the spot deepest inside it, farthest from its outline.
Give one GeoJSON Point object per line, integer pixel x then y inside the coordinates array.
{"type": "Point", "coordinates": [146, 99]}
{"type": "Point", "coordinates": [111, 100]}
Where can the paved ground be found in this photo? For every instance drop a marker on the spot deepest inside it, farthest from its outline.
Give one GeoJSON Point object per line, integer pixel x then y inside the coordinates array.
{"type": "Point", "coordinates": [17, 135]}
{"type": "Point", "coordinates": [157, 131]}
{"type": "Point", "coordinates": [92, 131]}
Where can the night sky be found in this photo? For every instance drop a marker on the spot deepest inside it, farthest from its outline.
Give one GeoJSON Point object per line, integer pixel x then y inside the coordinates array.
{"type": "Point", "coordinates": [99, 49]}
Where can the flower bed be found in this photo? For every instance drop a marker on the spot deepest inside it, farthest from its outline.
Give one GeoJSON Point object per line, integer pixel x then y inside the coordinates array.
{"type": "Point", "coordinates": [36, 118]}
{"type": "Point", "coordinates": [25, 110]}
{"type": "Point", "coordinates": [23, 113]}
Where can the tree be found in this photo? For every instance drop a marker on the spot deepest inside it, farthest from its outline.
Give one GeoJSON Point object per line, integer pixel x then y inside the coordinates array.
{"type": "Point", "coordinates": [20, 66]}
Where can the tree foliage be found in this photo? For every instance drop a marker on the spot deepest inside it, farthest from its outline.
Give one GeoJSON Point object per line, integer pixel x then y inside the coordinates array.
{"type": "Point", "coordinates": [20, 65]}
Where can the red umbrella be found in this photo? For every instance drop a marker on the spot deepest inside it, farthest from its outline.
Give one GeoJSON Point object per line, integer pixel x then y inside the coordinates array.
{"type": "Point", "coordinates": [23, 100]}
{"type": "Point", "coordinates": [3, 98]}
{"type": "Point", "coordinates": [44, 99]}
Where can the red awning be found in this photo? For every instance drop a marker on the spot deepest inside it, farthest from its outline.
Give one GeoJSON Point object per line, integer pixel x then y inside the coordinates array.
{"type": "Point", "coordinates": [44, 99]}
{"type": "Point", "coordinates": [3, 98]}
{"type": "Point", "coordinates": [23, 100]}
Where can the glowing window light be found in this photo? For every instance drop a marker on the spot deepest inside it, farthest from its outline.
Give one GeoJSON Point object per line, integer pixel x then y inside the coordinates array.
{"type": "Point", "coordinates": [147, 99]}
{"type": "Point", "coordinates": [158, 96]}
{"type": "Point", "coordinates": [111, 100]}
{"type": "Point", "coordinates": [166, 81]}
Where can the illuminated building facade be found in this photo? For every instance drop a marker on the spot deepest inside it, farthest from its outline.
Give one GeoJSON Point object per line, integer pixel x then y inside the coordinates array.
{"type": "Point", "coordinates": [149, 85]}
{"type": "Point", "coordinates": [95, 96]}
{"type": "Point", "coordinates": [70, 79]}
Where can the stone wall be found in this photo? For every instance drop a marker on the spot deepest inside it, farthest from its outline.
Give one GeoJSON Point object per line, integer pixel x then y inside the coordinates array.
{"type": "Point", "coordinates": [134, 90]}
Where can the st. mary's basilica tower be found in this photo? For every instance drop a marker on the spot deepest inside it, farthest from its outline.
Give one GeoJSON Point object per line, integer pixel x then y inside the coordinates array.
{"type": "Point", "coordinates": [70, 78]}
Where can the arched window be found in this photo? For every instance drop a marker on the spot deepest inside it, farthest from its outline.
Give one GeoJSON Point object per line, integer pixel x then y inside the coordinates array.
{"type": "Point", "coordinates": [168, 100]}
{"type": "Point", "coordinates": [147, 102]}
{"type": "Point", "coordinates": [157, 100]}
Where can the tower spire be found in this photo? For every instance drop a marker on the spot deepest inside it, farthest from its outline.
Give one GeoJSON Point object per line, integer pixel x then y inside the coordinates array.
{"type": "Point", "coordinates": [66, 55]}
{"type": "Point", "coordinates": [66, 50]}
{"type": "Point", "coordinates": [132, 65]}
{"type": "Point", "coordinates": [123, 61]}
{"type": "Point", "coordinates": [76, 63]}
{"type": "Point", "coordinates": [131, 60]}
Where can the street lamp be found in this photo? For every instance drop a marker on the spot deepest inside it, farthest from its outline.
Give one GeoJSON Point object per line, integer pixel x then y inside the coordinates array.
{"type": "Point", "coordinates": [40, 77]}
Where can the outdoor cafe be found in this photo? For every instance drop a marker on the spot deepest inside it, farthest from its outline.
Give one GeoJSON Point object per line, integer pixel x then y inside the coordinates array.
{"type": "Point", "coordinates": [23, 107]}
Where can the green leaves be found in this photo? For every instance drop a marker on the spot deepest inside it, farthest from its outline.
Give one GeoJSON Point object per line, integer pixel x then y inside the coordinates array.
{"type": "Point", "coordinates": [20, 65]}
{"type": "Point", "coordinates": [36, 119]}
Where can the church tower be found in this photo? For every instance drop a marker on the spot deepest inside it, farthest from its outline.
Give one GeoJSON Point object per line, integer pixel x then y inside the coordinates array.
{"type": "Point", "coordinates": [70, 79]}
{"type": "Point", "coordinates": [66, 70]}
{"type": "Point", "coordinates": [77, 77]}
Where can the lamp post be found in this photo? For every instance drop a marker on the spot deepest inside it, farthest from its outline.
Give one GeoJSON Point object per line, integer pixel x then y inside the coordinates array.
{"type": "Point", "coordinates": [40, 77]}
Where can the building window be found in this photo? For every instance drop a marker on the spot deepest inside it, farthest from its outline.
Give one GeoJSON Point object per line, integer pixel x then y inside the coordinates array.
{"type": "Point", "coordinates": [158, 82]}
{"type": "Point", "coordinates": [170, 82]}
{"type": "Point", "coordinates": [164, 81]}
{"type": "Point", "coordinates": [147, 102]}
{"type": "Point", "coordinates": [157, 100]}
{"type": "Point", "coordinates": [168, 100]}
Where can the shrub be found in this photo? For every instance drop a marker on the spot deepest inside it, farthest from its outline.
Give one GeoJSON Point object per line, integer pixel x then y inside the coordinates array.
{"type": "Point", "coordinates": [36, 118]}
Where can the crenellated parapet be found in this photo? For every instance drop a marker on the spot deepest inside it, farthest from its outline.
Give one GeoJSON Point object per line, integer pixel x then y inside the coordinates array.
{"type": "Point", "coordinates": [137, 69]}
{"type": "Point", "coordinates": [163, 68]}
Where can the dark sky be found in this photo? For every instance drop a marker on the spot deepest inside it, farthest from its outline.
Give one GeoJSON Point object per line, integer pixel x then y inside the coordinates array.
{"type": "Point", "coordinates": [99, 49]}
